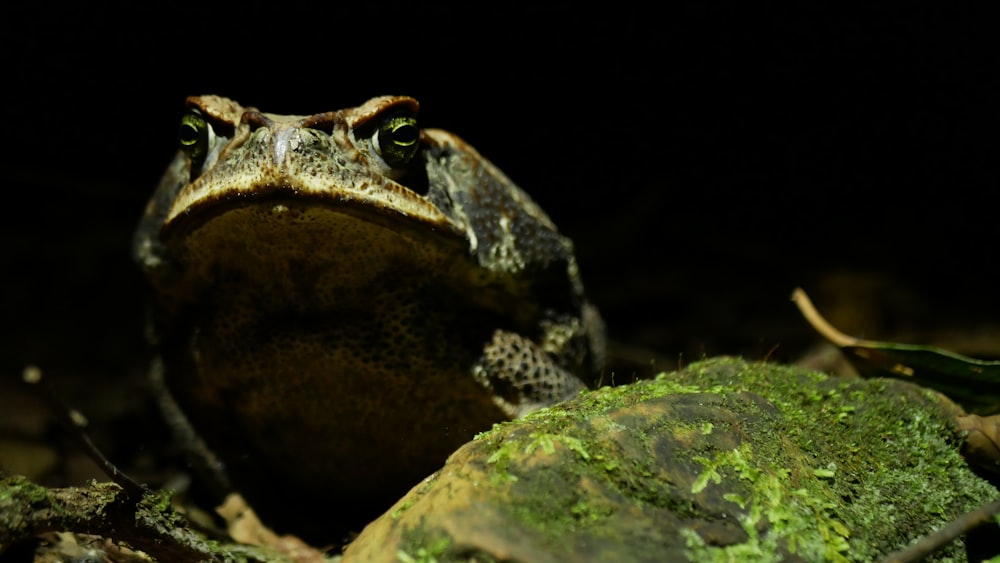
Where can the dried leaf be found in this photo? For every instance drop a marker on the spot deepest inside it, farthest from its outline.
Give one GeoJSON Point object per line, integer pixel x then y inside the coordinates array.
{"type": "Point", "coordinates": [974, 383]}
{"type": "Point", "coordinates": [982, 443]}
{"type": "Point", "coordinates": [245, 527]}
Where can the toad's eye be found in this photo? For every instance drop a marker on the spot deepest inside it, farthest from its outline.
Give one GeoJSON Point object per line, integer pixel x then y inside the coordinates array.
{"type": "Point", "coordinates": [194, 134]}
{"type": "Point", "coordinates": [397, 140]}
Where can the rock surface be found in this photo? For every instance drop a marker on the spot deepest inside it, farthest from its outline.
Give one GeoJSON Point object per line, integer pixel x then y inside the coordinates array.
{"type": "Point", "coordinates": [723, 460]}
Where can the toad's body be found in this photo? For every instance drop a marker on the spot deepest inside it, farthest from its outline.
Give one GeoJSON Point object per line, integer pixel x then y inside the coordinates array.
{"type": "Point", "coordinates": [342, 299]}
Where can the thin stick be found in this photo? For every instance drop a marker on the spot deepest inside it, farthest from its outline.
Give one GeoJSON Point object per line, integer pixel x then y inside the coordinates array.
{"type": "Point", "coordinates": [78, 424]}
{"type": "Point", "coordinates": [943, 536]}
{"type": "Point", "coordinates": [817, 321]}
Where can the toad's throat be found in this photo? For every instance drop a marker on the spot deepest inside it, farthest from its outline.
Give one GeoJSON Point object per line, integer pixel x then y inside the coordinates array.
{"type": "Point", "coordinates": [290, 256]}
{"type": "Point", "coordinates": [277, 239]}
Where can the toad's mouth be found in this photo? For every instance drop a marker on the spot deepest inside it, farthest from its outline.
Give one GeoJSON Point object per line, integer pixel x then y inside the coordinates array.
{"type": "Point", "coordinates": [282, 208]}
{"type": "Point", "coordinates": [393, 206]}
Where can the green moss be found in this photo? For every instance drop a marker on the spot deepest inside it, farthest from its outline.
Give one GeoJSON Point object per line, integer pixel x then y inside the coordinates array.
{"type": "Point", "coordinates": [161, 501]}
{"type": "Point", "coordinates": [21, 490]}
{"type": "Point", "coordinates": [402, 508]}
{"type": "Point", "coordinates": [865, 441]}
{"type": "Point", "coordinates": [795, 519]}
{"type": "Point", "coordinates": [408, 501]}
{"type": "Point", "coordinates": [421, 546]}
{"type": "Point", "coordinates": [725, 460]}
{"type": "Point", "coordinates": [842, 440]}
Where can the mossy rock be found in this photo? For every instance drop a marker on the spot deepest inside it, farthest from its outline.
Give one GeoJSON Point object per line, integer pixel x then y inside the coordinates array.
{"type": "Point", "coordinates": [725, 460]}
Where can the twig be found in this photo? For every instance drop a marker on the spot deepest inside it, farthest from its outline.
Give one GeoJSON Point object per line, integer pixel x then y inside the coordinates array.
{"type": "Point", "coordinates": [821, 325]}
{"type": "Point", "coordinates": [104, 509]}
{"type": "Point", "coordinates": [943, 536]}
{"type": "Point", "coordinates": [78, 424]}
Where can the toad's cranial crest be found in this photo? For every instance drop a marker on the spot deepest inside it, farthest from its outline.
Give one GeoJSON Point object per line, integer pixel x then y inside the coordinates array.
{"type": "Point", "coordinates": [342, 299]}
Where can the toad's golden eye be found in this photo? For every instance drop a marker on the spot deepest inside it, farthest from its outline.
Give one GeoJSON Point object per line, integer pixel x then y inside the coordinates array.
{"type": "Point", "coordinates": [397, 140]}
{"type": "Point", "coordinates": [194, 136]}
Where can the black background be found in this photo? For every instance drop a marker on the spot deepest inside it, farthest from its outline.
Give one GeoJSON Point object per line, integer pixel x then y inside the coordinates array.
{"type": "Point", "coordinates": [706, 157]}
